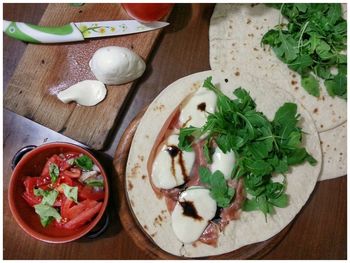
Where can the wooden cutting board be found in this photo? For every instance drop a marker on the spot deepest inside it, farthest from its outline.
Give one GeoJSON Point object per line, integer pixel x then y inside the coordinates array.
{"type": "Point", "coordinates": [46, 69]}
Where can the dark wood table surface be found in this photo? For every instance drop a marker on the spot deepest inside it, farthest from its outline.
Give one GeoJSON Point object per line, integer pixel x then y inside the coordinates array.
{"type": "Point", "coordinates": [318, 232]}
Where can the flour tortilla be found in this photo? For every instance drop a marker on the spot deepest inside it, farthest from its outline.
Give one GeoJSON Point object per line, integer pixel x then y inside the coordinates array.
{"type": "Point", "coordinates": [152, 213]}
{"type": "Point", "coordinates": [334, 151]}
{"type": "Point", "coordinates": [235, 34]}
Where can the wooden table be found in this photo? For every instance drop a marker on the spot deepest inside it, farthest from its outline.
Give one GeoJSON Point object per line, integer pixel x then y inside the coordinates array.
{"type": "Point", "coordinates": [319, 231]}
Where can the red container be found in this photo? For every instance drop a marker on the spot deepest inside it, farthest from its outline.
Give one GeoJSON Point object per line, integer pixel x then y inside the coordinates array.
{"type": "Point", "coordinates": [32, 164]}
{"type": "Point", "coordinates": [146, 13]}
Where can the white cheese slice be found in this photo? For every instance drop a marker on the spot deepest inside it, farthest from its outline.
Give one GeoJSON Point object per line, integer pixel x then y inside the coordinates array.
{"type": "Point", "coordinates": [171, 166]}
{"type": "Point", "coordinates": [194, 113]}
{"type": "Point", "coordinates": [223, 162]}
{"type": "Point", "coordinates": [192, 214]}
{"type": "Point", "coordinates": [85, 93]}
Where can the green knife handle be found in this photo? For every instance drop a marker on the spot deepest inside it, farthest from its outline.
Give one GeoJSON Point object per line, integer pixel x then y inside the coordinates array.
{"type": "Point", "coordinates": [40, 34]}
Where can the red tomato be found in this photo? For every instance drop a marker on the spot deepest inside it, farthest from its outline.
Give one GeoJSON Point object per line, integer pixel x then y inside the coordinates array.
{"type": "Point", "coordinates": [32, 200]}
{"type": "Point", "coordinates": [83, 217]}
{"type": "Point", "coordinates": [53, 159]}
{"type": "Point", "coordinates": [73, 173]}
{"type": "Point", "coordinates": [147, 12]}
{"type": "Point", "coordinates": [87, 192]}
{"type": "Point", "coordinates": [66, 204]}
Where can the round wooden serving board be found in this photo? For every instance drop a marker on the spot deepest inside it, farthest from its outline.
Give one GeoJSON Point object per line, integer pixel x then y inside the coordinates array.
{"type": "Point", "coordinates": [141, 238]}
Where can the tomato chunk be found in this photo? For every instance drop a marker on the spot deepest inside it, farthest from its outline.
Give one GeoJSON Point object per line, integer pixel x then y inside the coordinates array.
{"type": "Point", "coordinates": [73, 173]}
{"type": "Point", "coordinates": [83, 217]}
{"type": "Point", "coordinates": [87, 192]}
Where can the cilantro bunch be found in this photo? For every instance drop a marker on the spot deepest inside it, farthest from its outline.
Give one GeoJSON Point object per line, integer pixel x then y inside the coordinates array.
{"type": "Point", "coordinates": [312, 43]}
{"type": "Point", "coordinates": [261, 148]}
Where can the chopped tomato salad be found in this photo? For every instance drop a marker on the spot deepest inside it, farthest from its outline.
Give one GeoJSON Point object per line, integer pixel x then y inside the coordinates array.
{"type": "Point", "coordinates": [68, 193]}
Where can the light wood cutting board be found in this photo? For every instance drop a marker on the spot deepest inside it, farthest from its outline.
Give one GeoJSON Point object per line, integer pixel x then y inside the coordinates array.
{"type": "Point", "coordinates": [46, 69]}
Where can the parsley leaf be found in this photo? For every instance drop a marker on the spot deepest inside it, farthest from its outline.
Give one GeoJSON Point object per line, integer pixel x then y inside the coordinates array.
{"type": "Point", "coordinates": [54, 172]}
{"type": "Point", "coordinates": [84, 162]}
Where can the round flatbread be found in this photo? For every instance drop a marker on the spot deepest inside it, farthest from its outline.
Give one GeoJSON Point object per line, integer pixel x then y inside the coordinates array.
{"type": "Point", "coordinates": [333, 143]}
{"type": "Point", "coordinates": [235, 34]}
{"type": "Point", "coordinates": [151, 212]}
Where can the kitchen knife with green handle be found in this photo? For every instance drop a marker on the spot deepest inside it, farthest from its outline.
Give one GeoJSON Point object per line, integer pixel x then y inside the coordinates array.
{"type": "Point", "coordinates": [76, 31]}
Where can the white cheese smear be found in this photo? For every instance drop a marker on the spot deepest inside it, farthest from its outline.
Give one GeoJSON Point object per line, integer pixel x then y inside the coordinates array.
{"type": "Point", "coordinates": [171, 166]}
{"type": "Point", "coordinates": [192, 213]}
{"type": "Point", "coordinates": [223, 162]}
{"type": "Point", "coordinates": [194, 112]}
{"type": "Point", "coordinates": [114, 65]}
{"type": "Point", "coordinates": [85, 93]}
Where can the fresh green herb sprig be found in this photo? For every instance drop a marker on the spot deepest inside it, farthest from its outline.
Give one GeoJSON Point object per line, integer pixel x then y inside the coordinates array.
{"type": "Point", "coordinates": [219, 190]}
{"type": "Point", "coordinates": [84, 162]}
{"type": "Point", "coordinates": [261, 147]}
{"type": "Point", "coordinates": [312, 43]}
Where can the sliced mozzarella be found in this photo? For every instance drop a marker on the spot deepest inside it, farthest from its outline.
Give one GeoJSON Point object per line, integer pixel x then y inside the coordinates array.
{"type": "Point", "coordinates": [223, 162]}
{"type": "Point", "coordinates": [194, 113]}
{"type": "Point", "coordinates": [192, 214]}
{"type": "Point", "coordinates": [171, 166]}
{"type": "Point", "coordinates": [85, 93]}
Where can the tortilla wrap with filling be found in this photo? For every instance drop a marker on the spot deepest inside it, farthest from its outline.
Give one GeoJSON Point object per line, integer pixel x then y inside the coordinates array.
{"type": "Point", "coordinates": [334, 151]}
{"type": "Point", "coordinates": [151, 212]}
{"type": "Point", "coordinates": [235, 34]}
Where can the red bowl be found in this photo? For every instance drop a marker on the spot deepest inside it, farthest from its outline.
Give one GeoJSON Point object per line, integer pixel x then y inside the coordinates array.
{"type": "Point", "coordinates": [32, 164]}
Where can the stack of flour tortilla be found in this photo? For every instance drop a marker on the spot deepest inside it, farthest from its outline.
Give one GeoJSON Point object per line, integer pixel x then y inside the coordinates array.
{"type": "Point", "coordinates": [234, 37]}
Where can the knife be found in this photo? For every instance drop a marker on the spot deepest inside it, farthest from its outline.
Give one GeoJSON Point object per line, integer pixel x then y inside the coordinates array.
{"type": "Point", "coordinates": [76, 31]}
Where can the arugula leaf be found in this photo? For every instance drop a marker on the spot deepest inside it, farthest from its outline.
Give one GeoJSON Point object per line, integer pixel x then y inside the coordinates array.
{"type": "Point", "coordinates": [216, 182]}
{"type": "Point", "coordinates": [337, 86]}
{"type": "Point", "coordinates": [49, 197]}
{"type": "Point", "coordinates": [46, 213]}
{"type": "Point", "coordinates": [311, 85]}
{"type": "Point", "coordinates": [312, 42]}
{"type": "Point", "coordinates": [84, 162]}
{"type": "Point", "coordinates": [70, 192]}
{"type": "Point", "coordinates": [54, 172]}
{"type": "Point", "coordinates": [186, 138]}
{"type": "Point", "coordinates": [262, 148]}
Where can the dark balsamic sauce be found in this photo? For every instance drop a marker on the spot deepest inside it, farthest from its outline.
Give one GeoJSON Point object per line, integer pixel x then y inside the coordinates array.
{"type": "Point", "coordinates": [202, 106]}
{"type": "Point", "coordinates": [190, 210]}
{"type": "Point", "coordinates": [173, 152]}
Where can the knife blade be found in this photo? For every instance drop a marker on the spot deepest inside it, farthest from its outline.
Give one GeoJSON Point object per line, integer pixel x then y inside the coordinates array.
{"type": "Point", "coordinates": [78, 31]}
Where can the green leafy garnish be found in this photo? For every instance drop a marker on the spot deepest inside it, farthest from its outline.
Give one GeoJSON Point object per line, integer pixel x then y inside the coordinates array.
{"type": "Point", "coordinates": [70, 192]}
{"type": "Point", "coordinates": [216, 182]}
{"type": "Point", "coordinates": [312, 43]}
{"type": "Point", "coordinates": [49, 197]}
{"type": "Point", "coordinates": [54, 172]}
{"type": "Point", "coordinates": [262, 148]}
{"type": "Point", "coordinates": [47, 213]}
{"type": "Point", "coordinates": [94, 182]}
{"type": "Point", "coordinates": [84, 162]}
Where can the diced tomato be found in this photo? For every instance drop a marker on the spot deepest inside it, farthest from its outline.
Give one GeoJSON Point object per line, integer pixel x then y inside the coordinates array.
{"type": "Point", "coordinates": [32, 200]}
{"type": "Point", "coordinates": [87, 192]}
{"type": "Point", "coordinates": [29, 183]}
{"type": "Point", "coordinates": [53, 159]}
{"type": "Point", "coordinates": [70, 155]}
{"type": "Point", "coordinates": [66, 204]}
{"type": "Point", "coordinates": [64, 165]}
{"type": "Point", "coordinates": [83, 217]}
{"type": "Point", "coordinates": [73, 173]}
{"type": "Point", "coordinates": [66, 180]}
